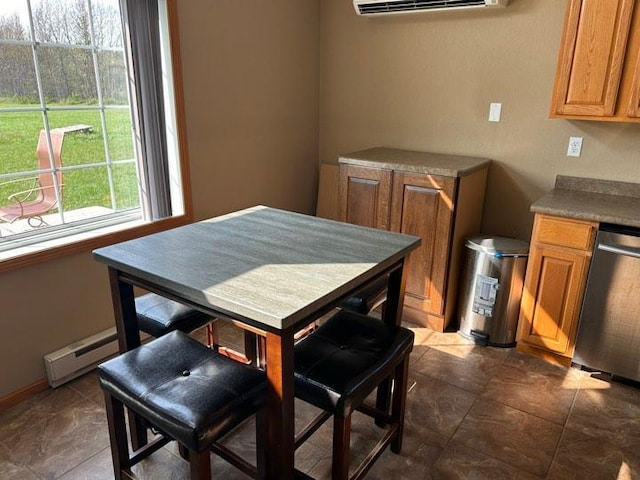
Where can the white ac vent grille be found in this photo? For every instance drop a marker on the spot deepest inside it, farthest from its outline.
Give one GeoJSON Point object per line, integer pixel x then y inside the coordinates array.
{"type": "Point", "coordinates": [386, 7]}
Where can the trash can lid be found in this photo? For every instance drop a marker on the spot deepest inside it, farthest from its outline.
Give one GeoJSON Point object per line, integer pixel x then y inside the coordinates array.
{"type": "Point", "coordinates": [498, 246]}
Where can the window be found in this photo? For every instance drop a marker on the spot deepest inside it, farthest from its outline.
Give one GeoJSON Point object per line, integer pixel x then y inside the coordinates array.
{"type": "Point", "coordinates": [87, 118]}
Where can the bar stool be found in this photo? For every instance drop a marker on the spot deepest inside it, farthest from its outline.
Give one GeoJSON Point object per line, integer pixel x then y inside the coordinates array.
{"type": "Point", "coordinates": [368, 298]}
{"type": "Point", "coordinates": [158, 315]}
{"type": "Point", "coordinates": [338, 366]}
{"type": "Point", "coordinates": [187, 392]}
{"type": "Point", "coordinates": [363, 301]}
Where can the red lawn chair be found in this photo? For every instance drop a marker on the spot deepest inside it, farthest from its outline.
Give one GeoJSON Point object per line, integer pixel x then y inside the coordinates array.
{"type": "Point", "coordinates": [40, 197]}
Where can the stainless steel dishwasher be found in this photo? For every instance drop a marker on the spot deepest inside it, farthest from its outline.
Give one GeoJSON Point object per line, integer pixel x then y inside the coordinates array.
{"type": "Point", "coordinates": [609, 330]}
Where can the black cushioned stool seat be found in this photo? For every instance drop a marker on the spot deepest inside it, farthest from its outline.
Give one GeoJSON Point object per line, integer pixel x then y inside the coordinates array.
{"type": "Point", "coordinates": [158, 316]}
{"type": "Point", "coordinates": [370, 297]}
{"type": "Point", "coordinates": [188, 392]}
{"type": "Point", "coordinates": [340, 364]}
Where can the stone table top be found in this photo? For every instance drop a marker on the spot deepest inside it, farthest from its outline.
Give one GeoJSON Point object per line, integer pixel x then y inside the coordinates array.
{"type": "Point", "coordinates": [267, 267]}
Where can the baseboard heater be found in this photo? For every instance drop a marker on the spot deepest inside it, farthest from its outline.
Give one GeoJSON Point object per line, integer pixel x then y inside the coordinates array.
{"type": "Point", "coordinates": [81, 357]}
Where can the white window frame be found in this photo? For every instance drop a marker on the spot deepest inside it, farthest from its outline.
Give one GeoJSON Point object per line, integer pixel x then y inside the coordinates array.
{"type": "Point", "coordinates": [78, 238]}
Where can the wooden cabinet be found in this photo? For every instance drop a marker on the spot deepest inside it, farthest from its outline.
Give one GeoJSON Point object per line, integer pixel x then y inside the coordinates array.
{"type": "Point", "coordinates": [421, 205]}
{"type": "Point", "coordinates": [598, 73]}
{"type": "Point", "coordinates": [554, 286]}
{"type": "Point", "coordinates": [442, 210]}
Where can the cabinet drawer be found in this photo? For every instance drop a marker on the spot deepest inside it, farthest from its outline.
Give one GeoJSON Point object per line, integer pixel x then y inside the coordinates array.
{"type": "Point", "coordinates": [565, 233]}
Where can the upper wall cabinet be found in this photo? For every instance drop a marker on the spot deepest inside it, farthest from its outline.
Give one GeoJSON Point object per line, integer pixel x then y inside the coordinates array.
{"type": "Point", "coordinates": [598, 74]}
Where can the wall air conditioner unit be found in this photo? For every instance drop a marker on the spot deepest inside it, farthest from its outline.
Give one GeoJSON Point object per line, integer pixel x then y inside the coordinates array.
{"type": "Point", "coordinates": [79, 358]}
{"type": "Point", "coordinates": [388, 7]}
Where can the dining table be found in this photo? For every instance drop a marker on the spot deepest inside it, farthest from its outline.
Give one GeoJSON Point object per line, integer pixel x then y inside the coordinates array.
{"type": "Point", "coordinates": [270, 271]}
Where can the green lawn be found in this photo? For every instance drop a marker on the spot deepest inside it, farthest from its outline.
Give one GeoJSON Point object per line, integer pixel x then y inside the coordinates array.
{"type": "Point", "coordinates": [87, 187]}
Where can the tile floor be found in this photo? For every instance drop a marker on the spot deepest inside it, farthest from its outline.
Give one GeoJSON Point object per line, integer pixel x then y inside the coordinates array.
{"type": "Point", "coordinates": [473, 413]}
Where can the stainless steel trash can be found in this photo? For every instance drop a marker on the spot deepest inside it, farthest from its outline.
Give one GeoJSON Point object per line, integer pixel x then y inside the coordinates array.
{"type": "Point", "coordinates": [492, 281]}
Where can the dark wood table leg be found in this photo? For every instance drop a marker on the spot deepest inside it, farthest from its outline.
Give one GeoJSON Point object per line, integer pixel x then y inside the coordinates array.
{"type": "Point", "coordinates": [280, 407]}
{"type": "Point", "coordinates": [392, 310]}
{"type": "Point", "coordinates": [124, 309]}
{"type": "Point", "coordinates": [392, 314]}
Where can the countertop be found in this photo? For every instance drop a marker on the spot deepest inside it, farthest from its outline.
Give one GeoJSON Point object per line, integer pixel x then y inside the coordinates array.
{"type": "Point", "coordinates": [420, 162]}
{"type": "Point", "coordinates": [603, 201]}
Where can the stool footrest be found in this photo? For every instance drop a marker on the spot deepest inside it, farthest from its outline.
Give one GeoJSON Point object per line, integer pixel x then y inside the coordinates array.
{"type": "Point", "coordinates": [375, 413]}
{"type": "Point", "coordinates": [234, 355]}
{"type": "Point", "coordinates": [368, 462]}
{"type": "Point", "coordinates": [312, 427]}
{"type": "Point", "coordinates": [234, 459]}
{"type": "Point", "coordinates": [146, 450]}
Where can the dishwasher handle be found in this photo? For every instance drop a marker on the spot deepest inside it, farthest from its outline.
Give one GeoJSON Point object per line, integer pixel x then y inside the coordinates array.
{"type": "Point", "coordinates": [633, 252]}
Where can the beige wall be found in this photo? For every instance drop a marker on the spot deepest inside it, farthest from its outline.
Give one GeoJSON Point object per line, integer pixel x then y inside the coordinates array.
{"type": "Point", "coordinates": [251, 90]}
{"type": "Point", "coordinates": [251, 81]}
{"type": "Point", "coordinates": [45, 307]}
{"type": "Point", "coordinates": [425, 82]}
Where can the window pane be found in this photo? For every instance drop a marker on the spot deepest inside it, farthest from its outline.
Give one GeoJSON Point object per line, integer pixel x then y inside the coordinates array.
{"type": "Point", "coordinates": [67, 75]}
{"type": "Point", "coordinates": [14, 20]}
{"type": "Point", "coordinates": [81, 146]}
{"type": "Point", "coordinates": [62, 21]}
{"type": "Point", "coordinates": [107, 23]}
{"type": "Point", "coordinates": [113, 77]}
{"type": "Point", "coordinates": [126, 186]}
{"type": "Point", "coordinates": [18, 141]}
{"type": "Point", "coordinates": [18, 83]}
{"type": "Point", "coordinates": [119, 133]}
{"type": "Point", "coordinates": [88, 187]}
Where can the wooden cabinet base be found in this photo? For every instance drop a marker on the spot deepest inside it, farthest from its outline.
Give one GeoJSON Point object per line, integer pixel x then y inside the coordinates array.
{"type": "Point", "coordinates": [419, 317]}
{"type": "Point", "coordinates": [436, 197]}
{"type": "Point", "coordinates": [554, 285]}
{"type": "Point", "coordinates": [544, 354]}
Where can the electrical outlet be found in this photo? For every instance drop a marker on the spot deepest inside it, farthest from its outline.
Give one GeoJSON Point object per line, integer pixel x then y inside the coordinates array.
{"type": "Point", "coordinates": [575, 146]}
{"type": "Point", "coordinates": [495, 110]}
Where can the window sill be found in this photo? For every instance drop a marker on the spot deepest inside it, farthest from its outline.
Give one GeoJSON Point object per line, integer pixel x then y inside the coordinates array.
{"type": "Point", "coordinates": [84, 242]}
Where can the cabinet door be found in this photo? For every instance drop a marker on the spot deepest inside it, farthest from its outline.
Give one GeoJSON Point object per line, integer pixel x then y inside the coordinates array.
{"type": "Point", "coordinates": [422, 205]}
{"type": "Point", "coordinates": [552, 296]}
{"type": "Point", "coordinates": [591, 57]}
{"type": "Point", "coordinates": [634, 99]}
{"type": "Point", "coordinates": [365, 196]}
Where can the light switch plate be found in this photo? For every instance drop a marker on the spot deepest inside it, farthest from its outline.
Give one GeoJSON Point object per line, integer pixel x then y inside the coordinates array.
{"type": "Point", "coordinates": [495, 111]}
